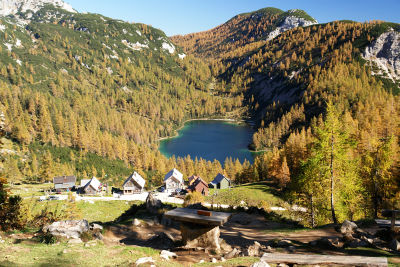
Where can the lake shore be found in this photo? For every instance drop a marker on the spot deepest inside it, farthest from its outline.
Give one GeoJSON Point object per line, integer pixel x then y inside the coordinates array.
{"type": "Point", "coordinates": [200, 119]}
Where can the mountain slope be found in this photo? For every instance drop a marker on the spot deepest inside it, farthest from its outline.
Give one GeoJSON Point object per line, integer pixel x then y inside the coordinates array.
{"type": "Point", "coordinates": [13, 7]}
{"type": "Point", "coordinates": [241, 30]}
{"type": "Point", "coordinates": [98, 85]}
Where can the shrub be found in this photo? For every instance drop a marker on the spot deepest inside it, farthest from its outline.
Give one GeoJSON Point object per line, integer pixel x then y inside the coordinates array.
{"type": "Point", "coordinates": [48, 238]}
{"type": "Point", "coordinates": [10, 209]}
{"type": "Point", "coordinates": [192, 198]}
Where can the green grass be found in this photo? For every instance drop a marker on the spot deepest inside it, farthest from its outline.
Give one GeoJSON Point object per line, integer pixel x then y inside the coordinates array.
{"type": "Point", "coordinates": [253, 194]}
{"type": "Point", "coordinates": [29, 253]}
{"type": "Point", "coordinates": [99, 211]}
{"type": "Point", "coordinates": [29, 190]}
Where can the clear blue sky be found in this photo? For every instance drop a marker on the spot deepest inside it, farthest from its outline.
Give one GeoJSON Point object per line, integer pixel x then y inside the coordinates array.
{"type": "Point", "coordinates": [186, 16]}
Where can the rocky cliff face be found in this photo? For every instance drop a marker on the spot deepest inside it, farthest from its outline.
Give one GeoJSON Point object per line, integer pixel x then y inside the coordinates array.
{"type": "Point", "coordinates": [12, 7]}
{"type": "Point", "coordinates": [385, 53]}
{"type": "Point", "coordinates": [289, 23]}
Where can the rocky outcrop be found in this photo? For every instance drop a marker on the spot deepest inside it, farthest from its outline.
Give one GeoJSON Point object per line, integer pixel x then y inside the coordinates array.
{"type": "Point", "coordinates": [68, 229]}
{"type": "Point", "coordinates": [12, 7]}
{"type": "Point", "coordinates": [153, 204]}
{"type": "Point", "coordinates": [289, 23]}
{"type": "Point", "coordinates": [385, 53]}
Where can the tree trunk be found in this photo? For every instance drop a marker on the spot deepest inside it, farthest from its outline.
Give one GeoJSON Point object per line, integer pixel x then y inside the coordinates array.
{"type": "Point", "coordinates": [332, 183]}
{"type": "Point", "coordinates": [312, 212]}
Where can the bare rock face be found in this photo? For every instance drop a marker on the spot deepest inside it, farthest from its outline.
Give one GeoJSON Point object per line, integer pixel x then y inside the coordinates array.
{"type": "Point", "coordinates": [68, 229]}
{"type": "Point", "coordinates": [11, 7]}
{"type": "Point", "coordinates": [385, 53]}
{"type": "Point", "coordinates": [348, 228]}
{"type": "Point", "coordinates": [289, 23]}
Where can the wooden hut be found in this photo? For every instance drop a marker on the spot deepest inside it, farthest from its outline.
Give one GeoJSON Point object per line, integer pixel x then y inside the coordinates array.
{"type": "Point", "coordinates": [220, 182]}
{"type": "Point", "coordinates": [92, 187]}
{"type": "Point", "coordinates": [64, 183]}
{"type": "Point", "coordinates": [173, 180]}
{"type": "Point", "coordinates": [134, 184]}
{"type": "Point", "coordinates": [199, 185]}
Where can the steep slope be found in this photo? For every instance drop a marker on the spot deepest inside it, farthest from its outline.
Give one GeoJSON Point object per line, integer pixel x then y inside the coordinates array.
{"type": "Point", "coordinates": [98, 85]}
{"type": "Point", "coordinates": [241, 30]}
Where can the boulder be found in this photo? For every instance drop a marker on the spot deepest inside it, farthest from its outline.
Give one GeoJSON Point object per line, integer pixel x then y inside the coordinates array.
{"type": "Point", "coordinates": [357, 243]}
{"type": "Point", "coordinates": [234, 253]}
{"type": "Point", "coordinates": [329, 243]}
{"type": "Point", "coordinates": [254, 250]}
{"type": "Point", "coordinates": [68, 229]}
{"type": "Point", "coordinates": [144, 261]}
{"type": "Point", "coordinates": [200, 236]}
{"type": "Point", "coordinates": [260, 264]}
{"type": "Point", "coordinates": [153, 204]}
{"type": "Point", "coordinates": [348, 227]}
{"type": "Point", "coordinates": [395, 245]}
{"type": "Point", "coordinates": [165, 254]}
{"type": "Point", "coordinates": [75, 241]}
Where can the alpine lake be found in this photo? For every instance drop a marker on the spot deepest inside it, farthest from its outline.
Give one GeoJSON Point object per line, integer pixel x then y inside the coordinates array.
{"type": "Point", "coordinates": [210, 140]}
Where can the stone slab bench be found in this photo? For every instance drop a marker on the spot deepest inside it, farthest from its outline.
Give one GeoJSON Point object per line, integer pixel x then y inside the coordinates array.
{"type": "Point", "coordinates": [315, 259]}
{"type": "Point", "coordinates": [199, 230]}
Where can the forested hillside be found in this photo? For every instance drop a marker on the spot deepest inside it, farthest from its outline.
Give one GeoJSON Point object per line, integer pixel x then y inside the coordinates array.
{"type": "Point", "coordinates": [88, 95]}
{"type": "Point", "coordinates": [328, 127]}
{"type": "Point", "coordinates": [96, 85]}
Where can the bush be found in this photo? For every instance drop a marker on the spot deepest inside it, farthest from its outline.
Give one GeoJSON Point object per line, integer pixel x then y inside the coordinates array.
{"type": "Point", "coordinates": [48, 238]}
{"type": "Point", "coordinates": [10, 209]}
{"type": "Point", "coordinates": [192, 198]}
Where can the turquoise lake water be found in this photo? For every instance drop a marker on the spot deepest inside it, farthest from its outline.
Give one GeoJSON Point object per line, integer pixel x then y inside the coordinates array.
{"type": "Point", "coordinates": [210, 140]}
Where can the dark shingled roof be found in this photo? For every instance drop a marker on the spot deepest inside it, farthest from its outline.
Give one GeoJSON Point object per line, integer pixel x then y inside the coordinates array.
{"type": "Point", "coordinates": [219, 178]}
{"type": "Point", "coordinates": [64, 179]}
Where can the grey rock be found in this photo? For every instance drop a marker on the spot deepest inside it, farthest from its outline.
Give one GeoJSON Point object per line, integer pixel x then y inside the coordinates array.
{"type": "Point", "coordinates": [166, 255]}
{"type": "Point", "coordinates": [136, 222]}
{"type": "Point", "coordinates": [234, 253]}
{"type": "Point", "coordinates": [75, 241]}
{"type": "Point", "coordinates": [68, 229]}
{"type": "Point", "coordinates": [289, 23]}
{"type": "Point", "coordinates": [327, 242]}
{"type": "Point", "coordinates": [254, 250]}
{"type": "Point", "coordinates": [348, 227]}
{"type": "Point", "coordinates": [214, 260]}
{"type": "Point", "coordinates": [260, 264]}
{"type": "Point", "coordinates": [198, 236]}
{"type": "Point", "coordinates": [153, 204]}
{"type": "Point", "coordinates": [145, 260]}
{"type": "Point", "coordinates": [358, 243]}
{"type": "Point", "coordinates": [384, 52]}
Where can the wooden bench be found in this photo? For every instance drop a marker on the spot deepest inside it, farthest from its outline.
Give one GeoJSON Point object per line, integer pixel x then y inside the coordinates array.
{"type": "Point", "coordinates": [315, 259]}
